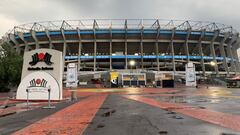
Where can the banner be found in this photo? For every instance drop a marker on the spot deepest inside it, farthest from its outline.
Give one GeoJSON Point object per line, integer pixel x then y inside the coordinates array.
{"type": "Point", "coordinates": [190, 75]}
{"type": "Point", "coordinates": [72, 75]}
{"type": "Point", "coordinates": [114, 79]}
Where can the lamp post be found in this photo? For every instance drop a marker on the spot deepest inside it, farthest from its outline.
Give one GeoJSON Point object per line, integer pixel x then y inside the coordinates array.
{"type": "Point", "coordinates": [131, 63]}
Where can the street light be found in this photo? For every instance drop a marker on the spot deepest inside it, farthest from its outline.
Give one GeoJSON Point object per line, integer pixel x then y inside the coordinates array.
{"type": "Point", "coordinates": [131, 63]}
{"type": "Point", "coordinates": [212, 63]}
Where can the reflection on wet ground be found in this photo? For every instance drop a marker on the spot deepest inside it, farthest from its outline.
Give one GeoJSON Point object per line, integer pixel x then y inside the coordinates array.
{"type": "Point", "coordinates": [188, 99]}
{"type": "Point", "coordinates": [215, 98]}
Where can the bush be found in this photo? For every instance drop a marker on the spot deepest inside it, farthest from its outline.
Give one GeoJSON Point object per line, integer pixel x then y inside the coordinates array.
{"type": "Point", "coordinates": [10, 67]}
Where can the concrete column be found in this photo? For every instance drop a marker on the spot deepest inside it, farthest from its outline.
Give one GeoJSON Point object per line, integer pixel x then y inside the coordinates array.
{"type": "Point", "coordinates": [212, 49]}
{"type": "Point", "coordinates": [229, 52]}
{"type": "Point", "coordinates": [223, 54]}
{"type": "Point", "coordinates": [33, 33]}
{"type": "Point", "coordinates": [49, 39]}
{"type": "Point", "coordinates": [172, 50]}
{"type": "Point", "coordinates": [186, 44]}
{"type": "Point", "coordinates": [126, 45]}
{"type": "Point", "coordinates": [235, 55]}
{"type": "Point", "coordinates": [25, 42]}
{"type": "Point", "coordinates": [201, 52]}
{"type": "Point", "coordinates": [64, 47]}
{"type": "Point", "coordinates": [110, 49]}
{"type": "Point", "coordinates": [12, 38]}
{"type": "Point", "coordinates": [95, 51]}
{"type": "Point", "coordinates": [126, 53]}
{"type": "Point", "coordinates": [79, 49]}
{"type": "Point", "coordinates": [157, 49]}
{"type": "Point", "coordinates": [141, 49]}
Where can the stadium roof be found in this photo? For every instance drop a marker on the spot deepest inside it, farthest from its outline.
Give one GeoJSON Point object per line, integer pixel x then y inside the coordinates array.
{"type": "Point", "coordinates": [123, 23]}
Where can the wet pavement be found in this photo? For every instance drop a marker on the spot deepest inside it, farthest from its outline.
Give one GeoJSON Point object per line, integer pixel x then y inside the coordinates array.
{"type": "Point", "coordinates": [133, 111]}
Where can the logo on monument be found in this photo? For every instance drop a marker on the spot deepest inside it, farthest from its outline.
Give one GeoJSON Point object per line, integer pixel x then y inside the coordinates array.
{"type": "Point", "coordinates": [37, 57]}
{"type": "Point", "coordinates": [38, 85]}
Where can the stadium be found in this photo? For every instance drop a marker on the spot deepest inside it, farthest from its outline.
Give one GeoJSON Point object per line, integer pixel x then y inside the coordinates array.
{"type": "Point", "coordinates": [154, 45]}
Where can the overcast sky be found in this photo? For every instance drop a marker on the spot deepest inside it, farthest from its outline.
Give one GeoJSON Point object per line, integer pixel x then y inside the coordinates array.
{"type": "Point", "coordinates": [16, 12]}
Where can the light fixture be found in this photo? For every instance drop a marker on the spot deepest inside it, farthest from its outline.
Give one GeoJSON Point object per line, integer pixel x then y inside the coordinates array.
{"type": "Point", "coordinates": [212, 63]}
{"type": "Point", "coordinates": [132, 62]}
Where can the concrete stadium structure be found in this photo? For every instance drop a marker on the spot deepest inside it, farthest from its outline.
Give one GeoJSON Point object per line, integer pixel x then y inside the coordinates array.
{"type": "Point", "coordinates": [156, 45]}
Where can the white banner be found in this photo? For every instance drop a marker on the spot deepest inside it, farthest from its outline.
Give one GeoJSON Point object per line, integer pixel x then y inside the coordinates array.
{"type": "Point", "coordinates": [72, 75]}
{"type": "Point", "coordinates": [190, 75]}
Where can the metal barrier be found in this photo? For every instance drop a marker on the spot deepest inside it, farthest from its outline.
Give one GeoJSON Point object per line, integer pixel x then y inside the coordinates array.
{"type": "Point", "coordinates": [49, 102]}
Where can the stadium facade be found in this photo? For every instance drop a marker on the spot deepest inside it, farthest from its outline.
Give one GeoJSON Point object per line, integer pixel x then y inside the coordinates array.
{"type": "Point", "coordinates": [155, 45]}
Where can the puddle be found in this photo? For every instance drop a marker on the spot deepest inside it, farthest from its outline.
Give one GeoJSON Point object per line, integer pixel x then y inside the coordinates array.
{"type": "Point", "coordinates": [108, 113]}
{"type": "Point", "coordinates": [186, 99]}
{"type": "Point", "coordinates": [169, 112]}
{"type": "Point", "coordinates": [104, 108]}
{"type": "Point", "coordinates": [100, 125]}
{"type": "Point", "coordinates": [201, 107]}
{"type": "Point", "coordinates": [227, 134]}
{"type": "Point", "coordinates": [163, 132]}
{"type": "Point", "coordinates": [177, 117]}
{"type": "Point", "coordinates": [86, 123]}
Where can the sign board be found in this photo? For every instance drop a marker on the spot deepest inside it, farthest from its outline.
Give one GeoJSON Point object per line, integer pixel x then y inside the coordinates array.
{"type": "Point", "coordinates": [114, 79]}
{"type": "Point", "coordinates": [41, 60]}
{"type": "Point", "coordinates": [190, 75]}
{"type": "Point", "coordinates": [71, 75]}
{"type": "Point", "coordinates": [38, 84]}
{"type": "Point", "coordinates": [97, 76]}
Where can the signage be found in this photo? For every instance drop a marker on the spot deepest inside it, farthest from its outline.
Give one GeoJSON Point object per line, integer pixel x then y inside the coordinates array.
{"type": "Point", "coordinates": [41, 61]}
{"type": "Point", "coordinates": [72, 75]}
{"type": "Point", "coordinates": [190, 75]}
{"type": "Point", "coordinates": [38, 84]}
{"type": "Point", "coordinates": [114, 79]}
{"type": "Point", "coordinates": [41, 57]}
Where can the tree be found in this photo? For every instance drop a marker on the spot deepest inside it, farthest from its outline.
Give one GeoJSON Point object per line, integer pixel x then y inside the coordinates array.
{"type": "Point", "coordinates": [10, 67]}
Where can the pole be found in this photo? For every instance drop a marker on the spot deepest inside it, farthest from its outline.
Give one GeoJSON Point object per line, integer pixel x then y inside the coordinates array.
{"type": "Point", "coordinates": [27, 98]}
{"type": "Point", "coordinates": [49, 101]}
{"type": "Point", "coordinates": [131, 76]}
{"type": "Point", "coordinates": [49, 104]}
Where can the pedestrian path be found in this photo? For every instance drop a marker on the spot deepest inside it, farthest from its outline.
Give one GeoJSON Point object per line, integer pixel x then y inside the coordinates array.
{"type": "Point", "coordinates": [71, 120]}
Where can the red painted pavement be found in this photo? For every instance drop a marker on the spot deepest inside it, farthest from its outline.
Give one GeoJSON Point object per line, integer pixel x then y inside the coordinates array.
{"type": "Point", "coordinates": [71, 120]}
{"type": "Point", "coordinates": [218, 118]}
{"type": "Point", "coordinates": [5, 102]}
{"type": "Point", "coordinates": [67, 93]}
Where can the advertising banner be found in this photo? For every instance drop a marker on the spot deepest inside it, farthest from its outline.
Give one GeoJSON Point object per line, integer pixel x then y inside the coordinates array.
{"type": "Point", "coordinates": [190, 75]}
{"type": "Point", "coordinates": [72, 75]}
{"type": "Point", "coordinates": [114, 79]}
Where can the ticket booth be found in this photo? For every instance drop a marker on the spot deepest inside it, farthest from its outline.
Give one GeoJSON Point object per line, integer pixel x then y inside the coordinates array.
{"type": "Point", "coordinates": [164, 80]}
{"type": "Point", "coordinates": [132, 79]}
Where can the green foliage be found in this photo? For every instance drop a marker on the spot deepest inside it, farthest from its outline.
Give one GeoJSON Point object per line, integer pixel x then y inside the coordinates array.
{"type": "Point", "coordinates": [10, 67]}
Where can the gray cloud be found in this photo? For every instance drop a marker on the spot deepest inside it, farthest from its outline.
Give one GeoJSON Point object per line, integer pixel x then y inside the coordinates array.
{"type": "Point", "coordinates": [16, 12]}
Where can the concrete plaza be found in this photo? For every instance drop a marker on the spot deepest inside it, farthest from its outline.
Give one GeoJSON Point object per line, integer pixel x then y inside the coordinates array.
{"type": "Point", "coordinates": [128, 111]}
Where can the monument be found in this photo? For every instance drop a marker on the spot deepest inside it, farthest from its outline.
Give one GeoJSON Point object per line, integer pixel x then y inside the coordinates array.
{"type": "Point", "coordinates": [42, 71]}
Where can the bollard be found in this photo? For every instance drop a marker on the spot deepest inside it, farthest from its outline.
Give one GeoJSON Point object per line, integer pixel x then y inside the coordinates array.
{"type": "Point", "coordinates": [27, 98]}
{"type": "Point", "coordinates": [49, 101]}
{"type": "Point", "coordinates": [73, 96]}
